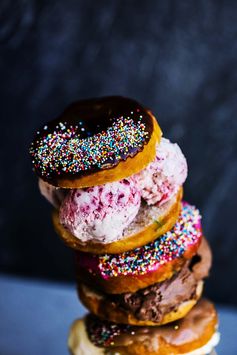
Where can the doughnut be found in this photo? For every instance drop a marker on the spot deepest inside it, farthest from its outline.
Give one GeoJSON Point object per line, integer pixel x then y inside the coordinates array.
{"type": "Point", "coordinates": [94, 142]}
{"type": "Point", "coordinates": [195, 334]}
{"type": "Point", "coordinates": [157, 304]}
{"type": "Point", "coordinates": [108, 311]}
{"type": "Point", "coordinates": [156, 261]}
{"type": "Point", "coordinates": [150, 223]}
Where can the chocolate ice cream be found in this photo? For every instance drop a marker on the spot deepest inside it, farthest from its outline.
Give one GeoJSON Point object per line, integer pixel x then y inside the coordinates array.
{"type": "Point", "coordinates": [153, 302]}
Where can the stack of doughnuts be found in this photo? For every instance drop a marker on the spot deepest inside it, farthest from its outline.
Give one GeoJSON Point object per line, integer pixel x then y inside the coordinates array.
{"type": "Point", "coordinates": [116, 186]}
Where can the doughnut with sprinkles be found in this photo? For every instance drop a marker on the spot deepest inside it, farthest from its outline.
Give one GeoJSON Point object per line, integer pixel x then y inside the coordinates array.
{"type": "Point", "coordinates": [154, 262]}
{"type": "Point", "coordinates": [93, 137]}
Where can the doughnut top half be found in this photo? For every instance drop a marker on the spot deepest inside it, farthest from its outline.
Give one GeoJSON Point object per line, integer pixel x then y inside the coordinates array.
{"type": "Point", "coordinates": [90, 135]}
{"type": "Point", "coordinates": [199, 323]}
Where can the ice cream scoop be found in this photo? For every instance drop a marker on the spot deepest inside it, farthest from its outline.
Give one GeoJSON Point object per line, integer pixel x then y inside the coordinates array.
{"type": "Point", "coordinates": [101, 213]}
{"type": "Point", "coordinates": [162, 178]}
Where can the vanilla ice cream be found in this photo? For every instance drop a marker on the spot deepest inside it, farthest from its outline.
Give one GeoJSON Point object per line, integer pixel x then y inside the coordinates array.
{"type": "Point", "coordinates": [53, 195]}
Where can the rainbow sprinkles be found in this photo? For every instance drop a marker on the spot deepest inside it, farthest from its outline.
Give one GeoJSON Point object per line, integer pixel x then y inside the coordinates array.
{"type": "Point", "coordinates": [63, 150]}
{"type": "Point", "coordinates": [173, 244]}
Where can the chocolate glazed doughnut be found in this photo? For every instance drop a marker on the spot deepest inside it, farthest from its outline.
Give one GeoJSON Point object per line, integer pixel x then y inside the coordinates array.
{"type": "Point", "coordinates": [194, 334]}
{"type": "Point", "coordinates": [94, 142]}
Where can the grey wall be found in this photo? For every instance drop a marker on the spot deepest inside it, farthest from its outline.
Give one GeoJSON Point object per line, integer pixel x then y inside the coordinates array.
{"type": "Point", "coordinates": [177, 57]}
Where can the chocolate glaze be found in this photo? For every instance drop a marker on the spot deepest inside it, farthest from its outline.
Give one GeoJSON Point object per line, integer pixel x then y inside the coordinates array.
{"type": "Point", "coordinates": [96, 115]}
{"type": "Point", "coordinates": [88, 118]}
{"type": "Point", "coordinates": [184, 331]}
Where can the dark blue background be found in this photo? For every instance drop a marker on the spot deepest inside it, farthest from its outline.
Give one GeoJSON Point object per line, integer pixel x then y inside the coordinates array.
{"type": "Point", "coordinates": [176, 57]}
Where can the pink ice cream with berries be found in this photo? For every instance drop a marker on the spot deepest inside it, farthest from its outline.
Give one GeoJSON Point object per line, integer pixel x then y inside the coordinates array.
{"type": "Point", "coordinates": [163, 177]}
{"type": "Point", "coordinates": [101, 213]}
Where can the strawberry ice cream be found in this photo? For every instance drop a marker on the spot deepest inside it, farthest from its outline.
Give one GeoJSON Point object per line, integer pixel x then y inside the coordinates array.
{"type": "Point", "coordinates": [101, 213]}
{"type": "Point", "coordinates": [162, 178]}
{"type": "Point", "coordinates": [104, 213]}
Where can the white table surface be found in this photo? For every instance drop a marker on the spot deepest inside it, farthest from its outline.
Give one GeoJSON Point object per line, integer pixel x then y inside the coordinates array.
{"type": "Point", "coordinates": [35, 318]}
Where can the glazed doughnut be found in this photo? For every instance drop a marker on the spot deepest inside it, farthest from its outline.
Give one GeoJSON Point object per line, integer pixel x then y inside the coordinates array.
{"type": "Point", "coordinates": [141, 267]}
{"type": "Point", "coordinates": [95, 142]}
{"type": "Point", "coordinates": [157, 304]}
{"type": "Point", "coordinates": [195, 334]}
{"type": "Point", "coordinates": [149, 223]}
